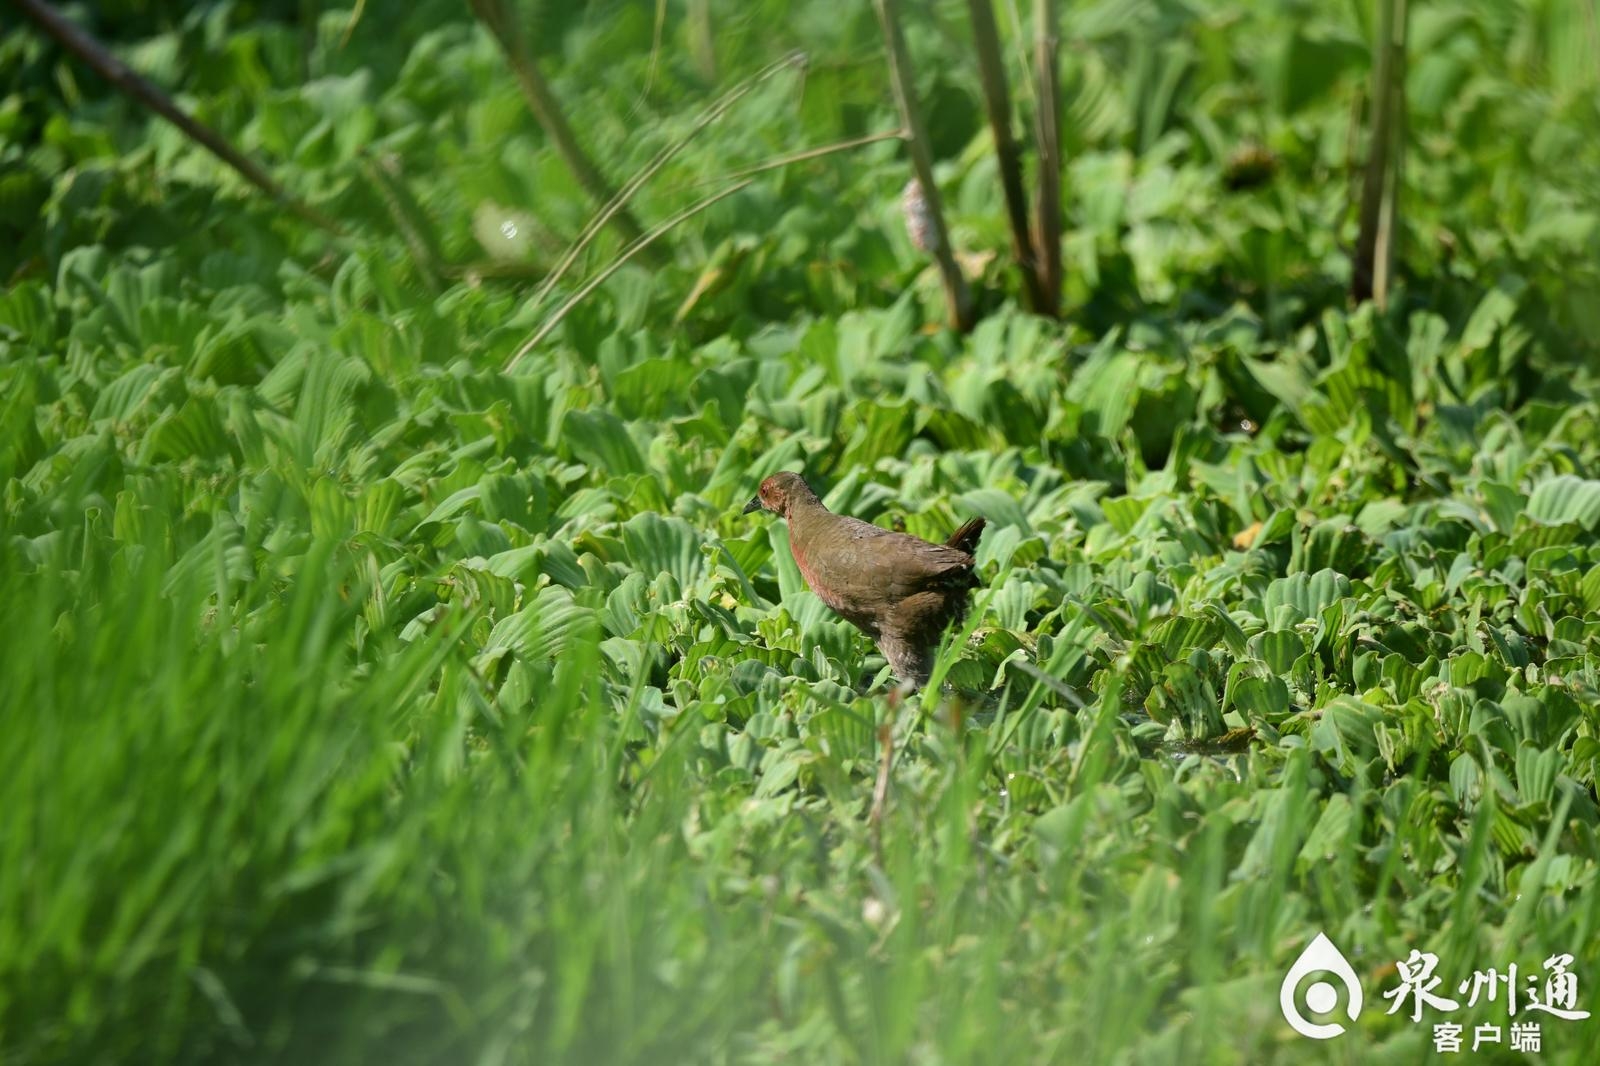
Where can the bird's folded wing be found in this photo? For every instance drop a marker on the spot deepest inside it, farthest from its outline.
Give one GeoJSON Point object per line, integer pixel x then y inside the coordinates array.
{"type": "Point", "coordinates": [868, 569]}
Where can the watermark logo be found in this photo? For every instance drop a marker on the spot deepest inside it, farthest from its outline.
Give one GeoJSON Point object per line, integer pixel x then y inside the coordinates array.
{"type": "Point", "coordinates": [1320, 956]}
{"type": "Point", "coordinates": [1551, 993]}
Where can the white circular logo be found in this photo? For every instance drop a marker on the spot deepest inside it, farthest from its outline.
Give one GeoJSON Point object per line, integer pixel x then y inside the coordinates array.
{"type": "Point", "coordinates": [1320, 956]}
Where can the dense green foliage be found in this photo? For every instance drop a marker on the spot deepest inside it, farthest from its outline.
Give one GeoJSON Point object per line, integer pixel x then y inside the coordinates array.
{"type": "Point", "coordinates": [363, 702]}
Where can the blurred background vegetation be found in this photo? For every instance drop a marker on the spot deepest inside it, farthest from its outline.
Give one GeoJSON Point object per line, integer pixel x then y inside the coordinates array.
{"type": "Point", "coordinates": [1158, 101]}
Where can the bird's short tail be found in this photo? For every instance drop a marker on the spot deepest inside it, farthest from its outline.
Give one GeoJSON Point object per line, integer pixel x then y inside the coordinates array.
{"type": "Point", "coordinates": [966, 538]}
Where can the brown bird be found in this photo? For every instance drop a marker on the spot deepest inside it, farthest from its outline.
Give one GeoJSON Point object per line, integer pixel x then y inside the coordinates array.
{"type": "Point", "coordinates": [900, 590]}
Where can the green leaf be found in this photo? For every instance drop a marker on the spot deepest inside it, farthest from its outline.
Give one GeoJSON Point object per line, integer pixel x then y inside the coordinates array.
{"type": "Point", "coordinates": [1566, 498]}
{"type": "Point", "coordinates": [657, 545]}
{"type": "Point", "coordinates": [549, 626]}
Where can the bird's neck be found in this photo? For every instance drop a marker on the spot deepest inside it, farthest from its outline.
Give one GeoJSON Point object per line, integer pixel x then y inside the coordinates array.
{"type": "Point", "coordinates": [803, 513]}
{"type": "Point", "coordinates": [804, 507]}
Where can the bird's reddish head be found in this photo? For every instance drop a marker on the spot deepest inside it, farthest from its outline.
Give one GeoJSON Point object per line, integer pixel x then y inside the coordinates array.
{"type": "Point", "coordinates": [778, 492]}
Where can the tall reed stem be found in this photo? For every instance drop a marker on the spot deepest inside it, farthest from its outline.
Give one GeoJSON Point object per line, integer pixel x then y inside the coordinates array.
{"type": "Point", "coordinates": [997, 101]}
{"type": "Point", "coordinates": [958, 298]}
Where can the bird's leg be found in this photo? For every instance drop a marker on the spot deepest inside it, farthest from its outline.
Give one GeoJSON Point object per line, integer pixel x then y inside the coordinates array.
{"type": "Point", "coordinates": [911, 660]}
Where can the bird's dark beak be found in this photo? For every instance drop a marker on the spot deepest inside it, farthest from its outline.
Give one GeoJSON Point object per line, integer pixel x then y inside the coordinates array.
{"type": "Point", "coordinates": [753, 505]}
